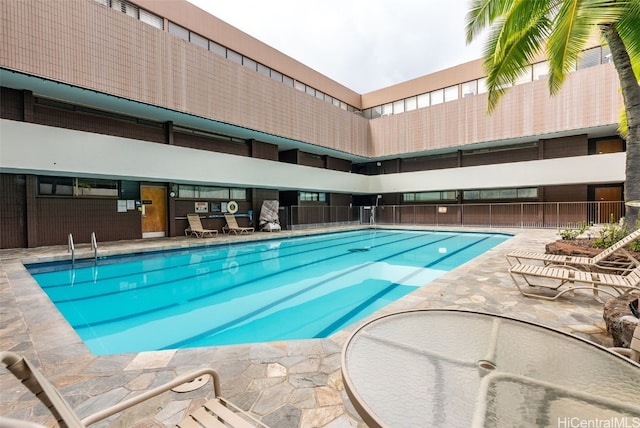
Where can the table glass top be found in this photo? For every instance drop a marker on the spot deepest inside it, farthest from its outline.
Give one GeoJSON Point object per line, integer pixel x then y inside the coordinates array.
{"type": "Point", "coordinates": [454, 368]}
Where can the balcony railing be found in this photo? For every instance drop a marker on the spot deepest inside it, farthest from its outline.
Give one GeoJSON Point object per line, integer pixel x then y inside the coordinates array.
{"type": "Point", "coordinates": [540, 215]}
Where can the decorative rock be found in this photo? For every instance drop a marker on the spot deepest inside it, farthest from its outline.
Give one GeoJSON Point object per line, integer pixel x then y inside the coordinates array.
{"type": "Point", "coordinates": [619, 319]}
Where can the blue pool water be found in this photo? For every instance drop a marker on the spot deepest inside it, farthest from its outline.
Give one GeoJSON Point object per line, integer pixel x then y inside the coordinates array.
{"type": "Point", "coordinates": [294, 288]}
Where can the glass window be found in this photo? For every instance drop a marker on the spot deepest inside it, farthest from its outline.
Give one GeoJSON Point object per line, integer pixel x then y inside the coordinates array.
{"type": "Point", "coordinates": [387, 109]}
{"type": "Point", "coordinates": [423, 100]}
{"type": "Point", "coordinates": [234, 56]}
{"type": "Point", "coordinates": [96, 187]}
{"type": "Point", "coordinates": [239, 194]}
{"type": "Point", "coordinates": [451, 195]}
{"type": "Point", "coordinates": [276, 75]}
{"type": "Point", "coordinates": [287, 80]}
{"type": "Point", "coordinates": [59, 186]}
{"type": "Point", "coordinates": [428, 196]}
{"type": "Point", "coordinates": [343, 105]}
{"type": "Point", "coordinates": [376, 112]}
{"type": "Point", "coordinates": [328, 98]}
{"type": "Point", "coordinates": [299, 86]}
{"type": "Point", "coordinates": [185, 191]}
{"type": "Point", "coordinates": [471, 195]}
{"type": "Point", "coordinates": [437, 97]}
{"type": "Point", "coordinates": [398, 107]}
{"type": "Point", "coordinates": [451, 93]}
{"type": "Point", "coordinates": [265, 71]}
{"type": "Point", "coordinates": [197, 39]}
{"type": "Point", "coordinates": [482, 85]}
{"type": "Point", "coordinates": [469, 88]}
{"type": "Point", "coordinates": [411, 103]}
{"type": "Point", "coordinates": [336, 102]}
{"type": "Point", "coordinates": [151, 19]}
{"type": "Point", "coordinates": [540, 70]}
{"type": "Point", "coordinates": [606, 55]}
{"type": "Point", "coordinates": [589, 58]}
{"type": "Point", "coordinates": [212, 192]}
{"type": "Point", "coordinates": [179, 31]}
{"type": "Point", "coordinates": [529, 192]}
{"type": "Point", "coordinates": [217, 49]}
{"type": "Point", "coordinates": [508, 194]}
{"type": "Point", "coordinates": [311, 91]}
{"type": "Point", "coordinates": [249, 63]}
{"type": "Point", "coordinates": [525, 77]}
{"type": "Point", "coordinates": [320, 95]}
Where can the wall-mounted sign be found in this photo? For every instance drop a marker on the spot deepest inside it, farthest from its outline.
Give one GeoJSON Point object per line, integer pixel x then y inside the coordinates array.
{"type": "Point", "coordinates": [442, 210]}
{"type": "Point", "coordinates": [201, 207]}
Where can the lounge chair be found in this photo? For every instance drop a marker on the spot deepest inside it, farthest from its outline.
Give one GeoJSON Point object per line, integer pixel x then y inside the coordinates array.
{"type": "Point", "coordinates": [624, 261]}
{"type": "Point", "coordinates": [633, 351]}
{"type": "Point", "coordinates": [554, 278]}
{"type": "Point", "coordinates": [269, 219]}
{"type": "Point", "coordinates": [196, 229]}
{"type": "Point", "coordinates": [232, 225]}
{"type": "Point", "coordinates": [216, 412]}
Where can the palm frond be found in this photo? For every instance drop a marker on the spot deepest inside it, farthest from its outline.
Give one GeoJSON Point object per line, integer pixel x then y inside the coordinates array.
{"type": "Point", "coordinates": [482, 14]}
{"type": "Point", "coordinates": [629, 29]}
{"type": "Point", "coordinates": [573, 26]}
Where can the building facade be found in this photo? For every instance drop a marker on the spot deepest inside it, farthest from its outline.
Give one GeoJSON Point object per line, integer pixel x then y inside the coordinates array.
{"type": "Point", "coordinates": [121, 117]}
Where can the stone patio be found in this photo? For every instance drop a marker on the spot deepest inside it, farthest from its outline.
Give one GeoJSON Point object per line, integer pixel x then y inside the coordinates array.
{"type": "Point", "coordinates": [284, 384]}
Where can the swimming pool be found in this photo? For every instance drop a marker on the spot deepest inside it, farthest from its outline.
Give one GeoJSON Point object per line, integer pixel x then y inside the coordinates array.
{"type": "Point", "coordinates": [284, 289]}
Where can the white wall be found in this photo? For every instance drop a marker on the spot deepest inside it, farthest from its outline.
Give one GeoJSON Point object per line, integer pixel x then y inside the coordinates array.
{"type": "Point", "coordinates": [37, 149]}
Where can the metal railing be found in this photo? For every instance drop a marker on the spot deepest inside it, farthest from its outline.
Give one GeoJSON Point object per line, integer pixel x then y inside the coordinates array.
{"type": "Point", "coordinates": [71, 248]}
{"type": "Point", "coordinates": [535, 215]}
{"type": "Point", "coordinates": [94, 246]}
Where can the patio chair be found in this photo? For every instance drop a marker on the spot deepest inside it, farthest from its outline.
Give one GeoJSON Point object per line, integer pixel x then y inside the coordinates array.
{"type": "Point", "coordinates": [562, 279]}
{"type": "Point", "coordinates": [196, 229]}
{"type": "Point", "coordinates": [624, 261]}
{"type": "Point", "coordinates": [232, 225]}
{"type": "Point", "coordinates": [633, 351]}
{"type": "Point", "coordinates": [269, 219]}
{"type": "Point", "coordinates": [216, 412]}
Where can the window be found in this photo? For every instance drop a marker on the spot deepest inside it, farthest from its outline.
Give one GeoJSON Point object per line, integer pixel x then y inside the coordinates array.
{"type": "Point", "coordinates": [423, 100]}
{"type": "Point", "coordinates": [589, 58]}
{"type": "Point", "coordinates": [197, 39]}
{"type": "Point", "coordinates": [540, 70]}
{"type": "Point", "coordinates": [186, 191]}
{"type": "Point", "coordinates": [276, 75]}
{"type": "Point", "coordinates": [217, 49]}
{"type": "Point", "coordinates": [234, 56]}
{"type": "Point", "coordinates": [482, 85]}
{"type": "Point", "coordinates": [437, 97]}
{"type": "Point", "coordinates": [446, 195]}
{"type": "Point", "coordinates": [411, 103]}
{"type": "Point", "coordinates": [312, 197]}
{"type": "Point", "coordinates": [469, 88]}
{"type": "Point", "coordinates": [299, 85]}
{"type": "Point", "coordinates": [249, 63]}
{"type": "Point", "coordinates": [59, 186]}
{"type": "Point", "coordinates": [266, 71]}
{"type": "Point", "coordinates": [151, 19]}
{"type": "Point", "coordinates": [178, 31]}
{"type": "Point", "coordinates": [376, 112]}
{"type": "Point", "coordinates": [387, 109]}
{"type": "Point", "coordinates": [398, 107]}
{"type": "Point", "coordinates": [451, 93]}
{"type": "Point", "coordinates": [498, 194]}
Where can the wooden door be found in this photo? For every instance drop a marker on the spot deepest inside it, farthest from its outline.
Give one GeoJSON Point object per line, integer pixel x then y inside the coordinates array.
{"type": "Point", "coordinates": [154, 211]}
{"type": "Point", "coordinates": [608, 199]}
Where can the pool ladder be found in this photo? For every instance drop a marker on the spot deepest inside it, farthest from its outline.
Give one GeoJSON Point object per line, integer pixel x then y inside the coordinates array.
{"type": "Point", "coordinates": [72, 249]}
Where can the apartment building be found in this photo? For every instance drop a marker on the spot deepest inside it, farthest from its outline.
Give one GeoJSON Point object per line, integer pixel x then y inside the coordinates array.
{"type": "Point", "coordinates": [121, 117]}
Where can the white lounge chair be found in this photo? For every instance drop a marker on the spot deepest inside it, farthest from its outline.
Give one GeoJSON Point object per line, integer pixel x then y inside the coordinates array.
{"type": "Point", "coordinates": [232, 225]}
{"type": "Point", "coordinates": [624, 261]}
{"type": "Point", "coordinates": [216, 412]}
{"type": "Point", "coordinates": [562, 279]}
{"type": "Point", "coordinates": [196, 229]}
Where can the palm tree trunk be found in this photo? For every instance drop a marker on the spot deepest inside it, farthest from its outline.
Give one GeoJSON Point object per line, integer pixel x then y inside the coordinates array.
{"type": "Point", "coordinates": [631, 95]}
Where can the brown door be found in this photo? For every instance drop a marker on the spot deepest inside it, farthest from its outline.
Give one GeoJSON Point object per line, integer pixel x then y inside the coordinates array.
{"type": "Point", "coordinates": [154, 211]}
{"type": "Point", "coordinates": [608, 199]}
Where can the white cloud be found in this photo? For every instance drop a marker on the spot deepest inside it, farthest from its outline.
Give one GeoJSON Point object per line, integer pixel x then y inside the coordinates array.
{"type": "Point", "coordinates": [363, 45]}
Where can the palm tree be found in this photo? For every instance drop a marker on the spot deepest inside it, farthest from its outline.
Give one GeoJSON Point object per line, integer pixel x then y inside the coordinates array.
{"type": "Point", "coordinates": [520, 30]}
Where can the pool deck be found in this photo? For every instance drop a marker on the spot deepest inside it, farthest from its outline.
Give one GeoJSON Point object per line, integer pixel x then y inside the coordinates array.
{"type": "Point", "coordinates": [285, 384]}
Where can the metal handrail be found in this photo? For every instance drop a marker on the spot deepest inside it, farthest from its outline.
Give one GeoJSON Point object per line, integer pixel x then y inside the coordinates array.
{"type": "Point", "coordinates": [71, 248]}
{"type": "Point", "coordinates": [94, 246]}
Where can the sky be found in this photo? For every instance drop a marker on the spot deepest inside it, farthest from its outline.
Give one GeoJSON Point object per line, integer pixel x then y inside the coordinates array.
{"type": "Point", "coordinates": [362, 44]}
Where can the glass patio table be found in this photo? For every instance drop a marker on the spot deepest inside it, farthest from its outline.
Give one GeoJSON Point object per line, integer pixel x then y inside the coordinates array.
{"type": "Point", "coordinates": [446, 368]}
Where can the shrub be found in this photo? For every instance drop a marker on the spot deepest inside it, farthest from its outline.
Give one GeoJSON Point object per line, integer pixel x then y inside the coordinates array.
{"type": "Point", "coordinates": [569, 233]}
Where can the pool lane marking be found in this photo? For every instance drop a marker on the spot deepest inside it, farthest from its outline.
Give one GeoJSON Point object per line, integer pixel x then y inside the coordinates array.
{"type": "Point", "coordinates": [214, 259]}
{"type": "Point", "coordinates": [249, 282]}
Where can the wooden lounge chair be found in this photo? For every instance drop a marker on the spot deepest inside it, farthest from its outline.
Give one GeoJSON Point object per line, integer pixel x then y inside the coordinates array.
{"type": "Point", "coordinates": [615, 258]}
{"type": "Point", "coordinates": [232, 225]}
{"type": "Point", "coordinates": [196, 229]}
{"type": "Point", "coordinates": [633, 351]}
{"type": "Point", "coordinates": [562, 279]}
{"type": "Point", "coordinates": [216, 412]}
